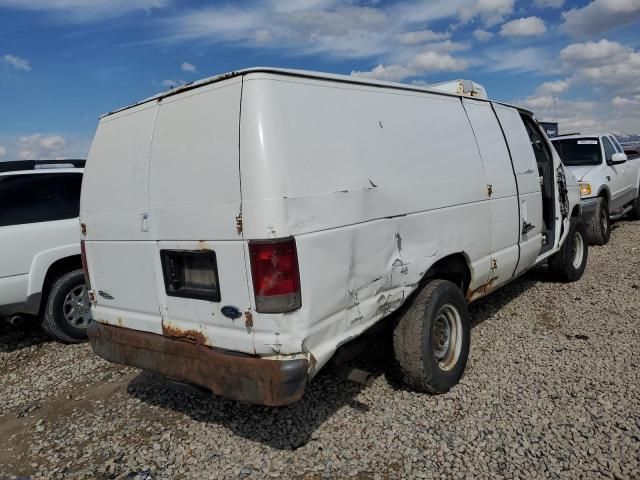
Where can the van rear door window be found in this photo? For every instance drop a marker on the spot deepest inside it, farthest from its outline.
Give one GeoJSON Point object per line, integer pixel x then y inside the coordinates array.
{"type": "Point", "coordinates": [40, 197]}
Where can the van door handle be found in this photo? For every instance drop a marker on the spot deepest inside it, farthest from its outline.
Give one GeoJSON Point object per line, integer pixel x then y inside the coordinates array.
{"type": "Point", "coordinates": [527, 227]}
{"type": "Point", "coordinates": [144, 222]}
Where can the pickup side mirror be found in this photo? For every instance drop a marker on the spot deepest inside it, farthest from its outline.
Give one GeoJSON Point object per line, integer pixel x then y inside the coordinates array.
{"type": "Point", "coordinates": [617, 158]}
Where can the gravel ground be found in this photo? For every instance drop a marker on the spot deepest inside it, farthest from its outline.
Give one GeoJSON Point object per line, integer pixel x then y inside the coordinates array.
{"type": "Point", "coordinates": [551, 390]}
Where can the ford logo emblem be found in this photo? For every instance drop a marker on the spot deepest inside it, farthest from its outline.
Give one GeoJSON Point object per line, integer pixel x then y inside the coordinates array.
{"type": "Point", "coordinates": [231, 312]}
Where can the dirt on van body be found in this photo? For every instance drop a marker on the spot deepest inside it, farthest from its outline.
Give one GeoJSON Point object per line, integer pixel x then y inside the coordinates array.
{"type": "Point", "coordinates": [552, 389]}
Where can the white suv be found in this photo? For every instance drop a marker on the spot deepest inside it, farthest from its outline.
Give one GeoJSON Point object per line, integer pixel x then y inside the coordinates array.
{"type": "Point", "coordinates": [41, 268]}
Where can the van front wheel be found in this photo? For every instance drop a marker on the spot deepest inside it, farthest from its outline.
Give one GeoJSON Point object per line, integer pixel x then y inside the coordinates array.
{"type": "Point", "coordinates": [431, 340]}
{"type": "Point", "coordinates": [68, 313]}
{"type": "Point", "coordinates": [569, 263]}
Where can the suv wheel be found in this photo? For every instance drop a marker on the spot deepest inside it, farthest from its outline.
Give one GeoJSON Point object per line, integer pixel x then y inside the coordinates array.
{"type": "Point", "coordinates": [599, 229]}
{"type": "Point", "coordinates": [569, 263]}
{"type": "Point", "coordinates": [68, 311]}
{"type": "Point", "coordinates": [431, 340]}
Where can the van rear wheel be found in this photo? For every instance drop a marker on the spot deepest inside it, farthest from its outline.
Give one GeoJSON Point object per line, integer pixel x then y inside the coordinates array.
{"type": "Point", "coordinates": [431, 340]}
{"type": "Point", "coordinates": [569, 263]}
{"type": "Point", "coordinates": [68, 311]}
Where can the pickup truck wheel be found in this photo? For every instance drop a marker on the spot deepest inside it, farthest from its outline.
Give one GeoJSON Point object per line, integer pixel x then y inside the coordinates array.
{"type": "Point", "coordinates": [68, 311]}
{"type": "Point", "coordinates": [634, 214]}
{"type": "Point", "coordinates": [599, 229]}
{"type": "Point", "coordinates": [431, 340]}
{"type": "Point", "coordinates": [569, 263]}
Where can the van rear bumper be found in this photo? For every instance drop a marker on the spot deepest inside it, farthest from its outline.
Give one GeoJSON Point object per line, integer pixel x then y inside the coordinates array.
{"type": "Point", "coordinates": [229, 374]}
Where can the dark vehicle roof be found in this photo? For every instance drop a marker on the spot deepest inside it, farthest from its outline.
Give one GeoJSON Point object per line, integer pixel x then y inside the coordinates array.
{"type": "Point", "coordinates": [18, 165]}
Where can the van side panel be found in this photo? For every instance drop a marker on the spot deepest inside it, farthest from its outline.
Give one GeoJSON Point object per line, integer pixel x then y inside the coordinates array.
{"type": "Point", "coordinates": [504, 197]}
{"type": "Point", "coordinates": [527, 176]}
{"type": "Point", "coordinates": [376, 185]}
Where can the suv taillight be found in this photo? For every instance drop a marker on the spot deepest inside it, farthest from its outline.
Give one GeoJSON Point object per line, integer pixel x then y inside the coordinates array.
{"type": "Point", "coordinates": [85, 267]}
{"type": "Point", "coordinates": [276, 277]}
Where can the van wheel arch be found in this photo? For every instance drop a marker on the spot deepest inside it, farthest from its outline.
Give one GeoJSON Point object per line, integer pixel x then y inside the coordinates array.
{"type": "Point", "coordinates": [56, 270]}
{"type": "Point", "coordinates": [454, 268]}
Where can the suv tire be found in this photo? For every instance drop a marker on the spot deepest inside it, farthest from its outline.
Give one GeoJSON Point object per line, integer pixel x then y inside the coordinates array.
{"type": "Point", "coordinates": [431, 339]}
{"type": "Point", "coordinates": [68, 313]}
{"type": "Point", "coordinates": [569, 263]}
{"type": "Point", "coordinates": [599, 229]}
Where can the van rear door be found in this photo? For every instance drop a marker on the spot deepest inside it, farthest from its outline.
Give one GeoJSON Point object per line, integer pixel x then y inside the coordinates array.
{"type": "Point", "coordinates": [194, 200]}
{"type": "Point", "coordinates": [114, 212]}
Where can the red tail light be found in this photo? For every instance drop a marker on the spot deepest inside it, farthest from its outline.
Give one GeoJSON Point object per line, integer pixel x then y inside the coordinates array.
{"type": "Point", "coordinates": [83, 256]}
{"type": "Point", "coordinates": [276, 277]}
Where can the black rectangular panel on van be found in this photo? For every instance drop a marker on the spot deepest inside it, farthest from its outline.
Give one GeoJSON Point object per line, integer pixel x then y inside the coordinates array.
{"type": "Point", "coordinates": [191, 274]}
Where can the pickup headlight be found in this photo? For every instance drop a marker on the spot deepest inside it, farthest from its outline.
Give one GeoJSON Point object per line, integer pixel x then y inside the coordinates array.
{"type": "Point", "coordinates": [585, 189]}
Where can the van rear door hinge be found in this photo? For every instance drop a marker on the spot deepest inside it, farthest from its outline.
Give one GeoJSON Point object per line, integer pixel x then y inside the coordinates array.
{"type": "Point", "coordinates": [489, 189]}
{"type": "Point", "coordinates": [239, 223]}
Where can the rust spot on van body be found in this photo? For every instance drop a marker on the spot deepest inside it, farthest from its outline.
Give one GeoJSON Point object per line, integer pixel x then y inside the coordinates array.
{"type": "Point", "coordinates": [83, 228]}
{"type": "Point", "coordinates": [175, 332]}
{"type": "Point", "coordinates": [248, 320]}
{"type": "Point", "coordinates": [235, 375]}
{"type": "Point", "coordinates": [482, 290]}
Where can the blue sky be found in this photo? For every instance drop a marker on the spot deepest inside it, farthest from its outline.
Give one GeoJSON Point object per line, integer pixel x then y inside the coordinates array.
{"type": "Point", "coordinates": [64, 62]}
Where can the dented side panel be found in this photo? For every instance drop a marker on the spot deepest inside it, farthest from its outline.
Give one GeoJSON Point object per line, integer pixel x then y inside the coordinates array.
{"type": "Point", "coordinates": [373, 189]}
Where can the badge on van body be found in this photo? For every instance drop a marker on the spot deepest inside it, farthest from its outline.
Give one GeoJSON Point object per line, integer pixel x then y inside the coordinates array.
{"type": "Point", "coordinates": [231, 312]}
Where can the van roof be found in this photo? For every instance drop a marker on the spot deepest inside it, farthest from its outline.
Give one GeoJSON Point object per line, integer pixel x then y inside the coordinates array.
{"type": "Point", "coordinates": [302, 74]}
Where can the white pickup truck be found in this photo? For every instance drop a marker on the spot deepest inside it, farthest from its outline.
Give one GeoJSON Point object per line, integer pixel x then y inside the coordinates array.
{"type": "Point", "coordinates": [240, 230]}
{"type": "Point", "coordinates": [40, 263]}
{"type": "Point", "coordinates": [609, 180]}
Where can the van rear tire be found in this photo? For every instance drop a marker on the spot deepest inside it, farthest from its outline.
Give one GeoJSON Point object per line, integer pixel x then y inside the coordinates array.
{"type": "Point", "coordinates": [68, 313]}
{"type": "Point", "coordinates": [431, 340]}
{"type": "Point", "coordinates": [599, 229]}
{"type": "Point", "coordinates": [569, 263]}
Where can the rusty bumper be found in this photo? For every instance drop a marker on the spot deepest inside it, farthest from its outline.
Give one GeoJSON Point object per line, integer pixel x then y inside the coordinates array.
{"type": "Point", "coordinates": [229, 374]}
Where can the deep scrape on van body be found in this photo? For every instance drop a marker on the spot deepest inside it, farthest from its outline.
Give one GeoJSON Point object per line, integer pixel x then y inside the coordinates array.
{"type": "Point", "coordinates": [249, 224]}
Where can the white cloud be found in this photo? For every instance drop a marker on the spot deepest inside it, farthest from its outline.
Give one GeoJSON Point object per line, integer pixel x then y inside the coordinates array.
{"type": "Point", "coordinates": [172, 83]}
{"type": "Point", "coordinates": [41, 146]}
{"type": "Point", "coordinates": [188, 67]}
{"type": "Point", "coordinates": [601, 15]}
{"type": "Point", "coordinates": [521, 60]}
{"type": "Point", "coordinates": [3, 151]}
{"type": "Point", "coordinates": [340, 28]}
{"type": "Point", "coordinates": [593, 54]}
{"type": "Point", "coordinates": [549, 3]}
{"type": "Point", "coordinates": [16, 62]}
{"type": "Point", "coordinates": [422, 36]}
{"type": "Point", "coordinates": [491, 12]}
{"type": "Point", "coordinates": [604, 64]}
{"type": "Point", "coordinates": [421, 64]}
{"type": "Point", "coordinates": [523, 27]}
{"type": "Point", "coordinates": [73, 11]}
{"type": "Point", "coordinates": [482, 35]}
{"type": "Point", "coordinates": [553, 88]}
{"type": "Point", "coordinates": [622, 102]}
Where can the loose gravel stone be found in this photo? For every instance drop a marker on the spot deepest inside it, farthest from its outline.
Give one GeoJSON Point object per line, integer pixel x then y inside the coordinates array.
{"type": "Point", "coordinates": [551, 391]}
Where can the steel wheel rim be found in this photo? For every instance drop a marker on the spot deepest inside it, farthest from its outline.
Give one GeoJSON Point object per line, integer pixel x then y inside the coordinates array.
{"type": "Point", "coordinates": [446, 338]}
{"type": "Point", "coordinates": [577, 250]}
{"type": "Point", "coordinates": [76, 308]}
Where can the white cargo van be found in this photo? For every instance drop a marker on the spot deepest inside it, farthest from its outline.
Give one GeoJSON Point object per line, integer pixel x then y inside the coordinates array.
{"type": "Point", "coordinates": [238, 230]}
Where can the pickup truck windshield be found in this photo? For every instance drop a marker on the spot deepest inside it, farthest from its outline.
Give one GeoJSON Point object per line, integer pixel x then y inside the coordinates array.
{"type": "Point", "coordinates": [579, 151]}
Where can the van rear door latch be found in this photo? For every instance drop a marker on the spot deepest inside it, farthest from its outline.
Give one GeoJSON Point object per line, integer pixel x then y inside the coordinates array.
{"type": "Point", "coordinates": [527, 227]}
